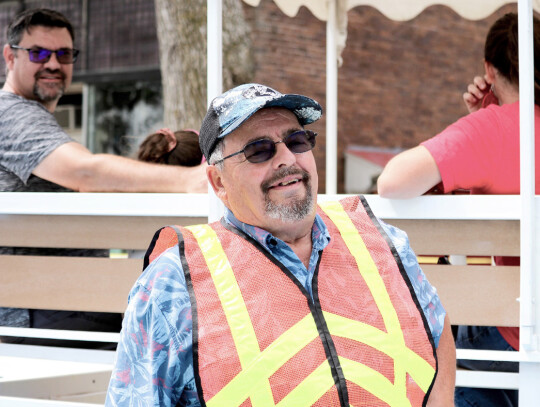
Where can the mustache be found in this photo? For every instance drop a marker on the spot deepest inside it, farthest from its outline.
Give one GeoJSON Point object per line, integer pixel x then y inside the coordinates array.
{"type": "Point", "coordinates": [284, 172]}
{"type": "Point", "coordinates": [50, 72]}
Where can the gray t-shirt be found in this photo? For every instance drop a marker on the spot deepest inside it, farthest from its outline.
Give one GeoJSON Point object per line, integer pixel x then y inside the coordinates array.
{"type": "Point", "coordinates": [28, 134]}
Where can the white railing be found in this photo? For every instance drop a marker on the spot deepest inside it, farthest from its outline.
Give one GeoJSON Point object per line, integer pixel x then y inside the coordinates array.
{"type": "Point", "coordinates": [427, 207]}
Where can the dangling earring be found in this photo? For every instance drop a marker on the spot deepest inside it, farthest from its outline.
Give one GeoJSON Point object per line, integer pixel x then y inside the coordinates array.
{"type": "Point", "coordinates": [490, 98]}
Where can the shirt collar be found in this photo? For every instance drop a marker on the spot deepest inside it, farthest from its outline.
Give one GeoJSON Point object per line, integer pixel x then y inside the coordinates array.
{"type": "Point", "coordinates": [320, 236]}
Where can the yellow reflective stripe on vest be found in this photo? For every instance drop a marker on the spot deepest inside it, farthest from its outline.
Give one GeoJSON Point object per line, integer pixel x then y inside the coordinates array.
{"type": "Point", "coordinates": [375, 383]}
{"type": "Point", "coordinates": [366, 266]}
{"type": "Point", "coordinates": [234, 308]}
{"type": "Point", "coordinates": [311, 389]}
{"type": "Point", "coordinates": [270, 360]}
{"type": "Point", "coordinates": [370, 274]}
{"type": "Point", "coordinates": [418, 368]}
{"type": "Point", "coordinates": [319, 382]}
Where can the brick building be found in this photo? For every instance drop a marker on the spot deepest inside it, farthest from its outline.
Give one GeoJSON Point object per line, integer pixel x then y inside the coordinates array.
{"type": "Point", "coordinates": [400, 82]}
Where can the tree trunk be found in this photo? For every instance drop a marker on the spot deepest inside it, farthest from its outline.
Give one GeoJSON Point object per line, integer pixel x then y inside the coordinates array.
{"type": "Point", "coordinates": [181, 29]}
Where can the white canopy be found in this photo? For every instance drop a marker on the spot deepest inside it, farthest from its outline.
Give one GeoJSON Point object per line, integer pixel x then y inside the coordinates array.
{"type": "Point", "coordinates": [398, 10]}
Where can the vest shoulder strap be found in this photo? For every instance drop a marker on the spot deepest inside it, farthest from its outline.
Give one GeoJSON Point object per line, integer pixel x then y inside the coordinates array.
{"type": "Point", "coordinates": [164, 238]}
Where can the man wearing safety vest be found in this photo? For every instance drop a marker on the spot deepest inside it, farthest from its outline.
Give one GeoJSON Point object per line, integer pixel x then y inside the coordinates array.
{"type": "Point", "coordinates": [283, 302]}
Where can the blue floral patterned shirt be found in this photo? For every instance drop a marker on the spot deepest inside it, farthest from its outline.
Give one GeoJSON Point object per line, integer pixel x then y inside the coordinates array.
{"type": "Point", "coordinates": [154, 361]}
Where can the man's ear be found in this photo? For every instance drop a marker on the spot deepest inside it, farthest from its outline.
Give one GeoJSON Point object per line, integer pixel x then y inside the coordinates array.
{"type": "Point", "coordinates": [215, 178]}
{"type": "Point", "coordinates": [9, 57]}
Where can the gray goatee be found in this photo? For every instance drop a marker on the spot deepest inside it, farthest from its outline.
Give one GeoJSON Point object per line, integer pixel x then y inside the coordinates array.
{"type": "Point", "coordinates": [290, 211]}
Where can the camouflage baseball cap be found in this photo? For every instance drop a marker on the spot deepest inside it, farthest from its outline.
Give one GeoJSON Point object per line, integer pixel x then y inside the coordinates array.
{"type": "Point", "coordinates": [228, 111]}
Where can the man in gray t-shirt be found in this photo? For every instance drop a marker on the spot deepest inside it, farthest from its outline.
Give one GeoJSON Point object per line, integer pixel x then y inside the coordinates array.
{"type": "Point", "coordinates": [39, 59]}
{"type": "Point", "coordinates": [37, 155]}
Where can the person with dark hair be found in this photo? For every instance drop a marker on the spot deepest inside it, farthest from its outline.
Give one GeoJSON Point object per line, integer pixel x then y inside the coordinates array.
{"type": "Point", "coordinates": [36, 155]}
{"type": "Point", "coordinates": [174, 148]}
{"type": "Point", "coordinates": [283, 301]}
{"type": "Point", "coordinates": [480, 153]}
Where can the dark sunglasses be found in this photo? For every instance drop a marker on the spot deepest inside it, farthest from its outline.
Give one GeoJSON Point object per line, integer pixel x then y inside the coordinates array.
{"type": "Point", "coordinates": [42, 55]}
{"type": "Point", "coordinates": [259, 151]}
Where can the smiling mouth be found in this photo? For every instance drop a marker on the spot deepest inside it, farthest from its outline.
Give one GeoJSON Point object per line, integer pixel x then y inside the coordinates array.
{"type": "Point", "coordinates": [50, 78]}
{"type": "Point", "coordinates": [50, 75]}
{"type": "Point", "coordinates": [285, 177]}
{"type": "Point", "coordinates": [285, 183]}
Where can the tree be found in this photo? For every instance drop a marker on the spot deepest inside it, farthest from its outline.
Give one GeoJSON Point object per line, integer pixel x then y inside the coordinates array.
{"type": "Point", "coordinates": [181, 29]}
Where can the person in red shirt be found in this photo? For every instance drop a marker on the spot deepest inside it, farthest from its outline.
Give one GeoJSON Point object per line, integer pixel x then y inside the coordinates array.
{"type": "Point", "coordinates": [479, 153]}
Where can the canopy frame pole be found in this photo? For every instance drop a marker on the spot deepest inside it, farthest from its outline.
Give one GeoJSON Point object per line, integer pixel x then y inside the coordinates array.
{"type": "Point", "coordinates": [529, 370]}
{"type": "Point", "coordinates": [526, 122]}
{"type": "Point", "coordinates": [331, 99]}
{"type": "Point", "coordinates": [214, 80]}
{"type": "Point", "coordinates": [214, 49]}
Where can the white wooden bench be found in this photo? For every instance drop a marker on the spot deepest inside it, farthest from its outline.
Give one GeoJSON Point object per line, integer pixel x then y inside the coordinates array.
{"type": "Point", "coordinates": [437, 225]}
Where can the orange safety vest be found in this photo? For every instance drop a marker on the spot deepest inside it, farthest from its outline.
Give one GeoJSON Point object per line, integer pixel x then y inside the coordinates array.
{"type": "Point", "coordinates": [260, 340]}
